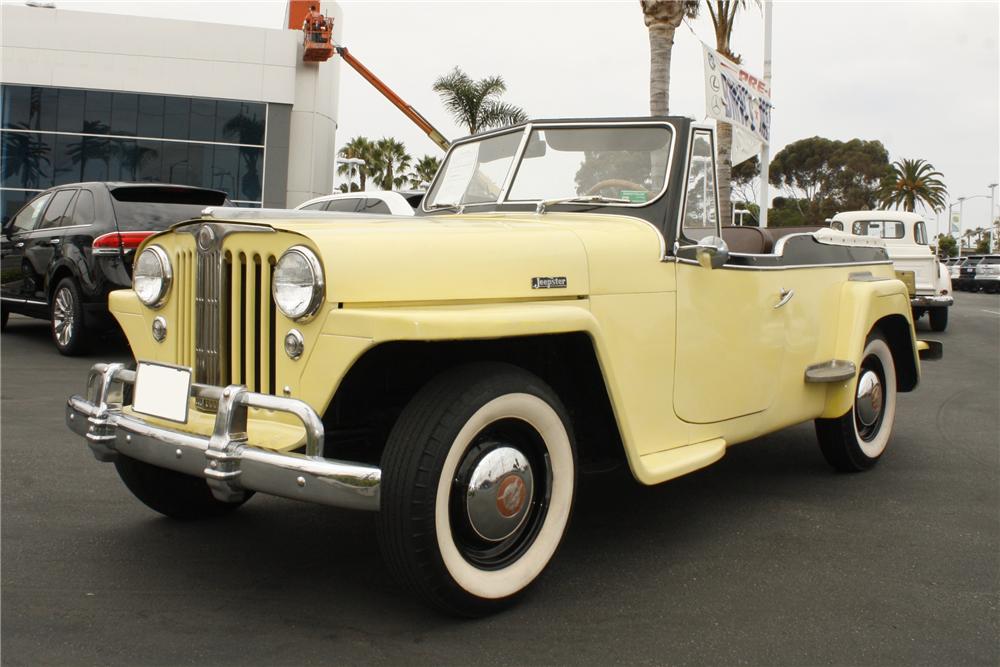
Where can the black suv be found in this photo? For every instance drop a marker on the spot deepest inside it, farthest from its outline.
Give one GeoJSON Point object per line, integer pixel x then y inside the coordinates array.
{"type": "Point", "coordinates": [64, 250]}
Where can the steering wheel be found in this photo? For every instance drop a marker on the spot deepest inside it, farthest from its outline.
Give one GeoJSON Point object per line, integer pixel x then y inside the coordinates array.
{"type": "Point", "coordinates": [618, 183]}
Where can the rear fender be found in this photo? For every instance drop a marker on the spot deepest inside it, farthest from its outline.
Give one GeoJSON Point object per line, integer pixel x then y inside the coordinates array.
{"type": "Point", "coordinates": [865, 307]}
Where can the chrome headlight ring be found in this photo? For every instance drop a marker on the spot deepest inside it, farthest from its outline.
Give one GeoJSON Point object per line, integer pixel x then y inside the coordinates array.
{"type": "Point", "coordinates": [165, 277]}
{"type": "Point", "coordinates": [316, 284]}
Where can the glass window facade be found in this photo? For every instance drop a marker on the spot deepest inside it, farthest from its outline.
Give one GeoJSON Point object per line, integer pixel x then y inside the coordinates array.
{"type": "Point", "coordinates": [55, 136]}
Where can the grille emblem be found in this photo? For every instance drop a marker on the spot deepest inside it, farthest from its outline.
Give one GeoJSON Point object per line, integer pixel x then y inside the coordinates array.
{"type": "Point", "coordinates": [206, 238]}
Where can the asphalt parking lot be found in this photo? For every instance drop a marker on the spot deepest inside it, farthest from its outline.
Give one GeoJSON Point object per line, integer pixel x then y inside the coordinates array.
{"type": "Point", "coordinates": [768, 557]}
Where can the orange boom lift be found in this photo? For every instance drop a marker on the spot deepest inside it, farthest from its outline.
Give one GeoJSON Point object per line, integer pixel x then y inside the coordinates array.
{"type": "Point", "coordinates": [317, 32]}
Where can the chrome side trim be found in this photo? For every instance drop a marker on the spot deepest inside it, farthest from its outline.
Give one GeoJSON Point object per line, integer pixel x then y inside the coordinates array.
{"type": "Point", "coordinates": [681, 260]}
{"type": "Point", "coordinates": [226, 460]}
{"type": "Point", "coordinates": [835, 370]}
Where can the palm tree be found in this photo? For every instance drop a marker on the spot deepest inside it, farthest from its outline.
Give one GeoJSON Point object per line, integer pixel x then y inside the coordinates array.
{"type": "Point", "coordinates": [476, 104]}
{"type": "Point", "coordinates": [248, 129]}
{"type": "Point", "coordinates": [358, 148]}
{"type": "Point", "coordinates": [913, 182]}
{"type": "Point", "coordinates": [424, 171]}
{"type": "Point", "coordinates": [723, 13]}
{"type": "Point", "coordinates": [663, 17]}
{"type": "Point", "coordinates": [388, 163]}
{"type": "Point", "coordinates": [25, 158]}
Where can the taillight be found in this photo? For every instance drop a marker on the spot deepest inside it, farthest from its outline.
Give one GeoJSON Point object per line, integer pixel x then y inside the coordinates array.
{"type": "Point", "coordinates": [112, 242]}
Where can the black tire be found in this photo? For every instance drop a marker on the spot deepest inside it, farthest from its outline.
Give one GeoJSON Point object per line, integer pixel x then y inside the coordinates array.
{"type": "Point", "coordinates": [849, 443]}
{"type": "Point", "coordinates": [939, 319]}
{"type": "Point", "coordinates": [443, 441]}
{"type": "Point", "coordinates": [66, 319]}
{"type": "Point", "coordinates": [171, 493]}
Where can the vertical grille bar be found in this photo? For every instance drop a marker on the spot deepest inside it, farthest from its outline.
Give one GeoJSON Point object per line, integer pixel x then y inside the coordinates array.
{"type": "Point", "coordinates": [235, 319]}
{"type": "Point", "coordinates": [266, 340]}
{"type": "Point", "coordinates": [250, 307]}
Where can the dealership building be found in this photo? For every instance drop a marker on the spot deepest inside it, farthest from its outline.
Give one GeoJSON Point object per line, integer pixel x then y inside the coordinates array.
{"type": "Point", "coordinates": [98, 97]}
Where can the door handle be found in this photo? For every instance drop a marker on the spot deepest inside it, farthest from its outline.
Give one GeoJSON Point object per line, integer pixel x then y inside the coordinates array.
{"type": "Point", "coordinates": [19, 244]}
{"type": "Point", "coordinates": [55, 241]}
{"type": "Point", "coordinates": [786, 296]}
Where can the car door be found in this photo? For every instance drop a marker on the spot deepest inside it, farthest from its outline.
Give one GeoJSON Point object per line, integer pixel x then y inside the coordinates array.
{"type": "Point", "coordinates": [730, 335]}
{"type": "Point", "coordinates": [42, 243]}
{"type": "Point", "coordinates": [15, 238]}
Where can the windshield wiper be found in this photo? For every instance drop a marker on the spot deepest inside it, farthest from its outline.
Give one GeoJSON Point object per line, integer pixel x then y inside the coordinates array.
{"type": "Point", "coordinates": [459, 208]}
{"type": "Point", "coordinates": [583, 199]}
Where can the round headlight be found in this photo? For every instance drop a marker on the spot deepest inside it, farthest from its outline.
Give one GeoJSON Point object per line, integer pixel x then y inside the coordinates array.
{"type": "Point", "coordinates": [298, 283]}
{"type": "Point", "coordinates": [151, 276]}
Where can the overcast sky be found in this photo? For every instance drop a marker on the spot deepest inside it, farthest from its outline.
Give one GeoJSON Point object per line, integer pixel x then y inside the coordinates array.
{"type": "Point", "coordinates": [922, 77]}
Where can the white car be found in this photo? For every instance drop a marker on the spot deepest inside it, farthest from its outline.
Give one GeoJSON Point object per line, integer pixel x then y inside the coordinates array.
{"type": "Point", "coordinates": [382, 202]}
{"type": "Point", "coordinates": [905, 237]}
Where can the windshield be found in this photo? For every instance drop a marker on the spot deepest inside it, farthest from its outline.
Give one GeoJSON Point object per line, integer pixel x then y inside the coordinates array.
{"type": "Point", "coordinates": [619, 163]}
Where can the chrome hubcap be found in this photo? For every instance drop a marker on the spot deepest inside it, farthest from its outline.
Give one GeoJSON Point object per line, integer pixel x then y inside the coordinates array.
{"type": "Point", "coordinates": [499, 493]}
{"type": "Point", "coordinates": [62, 316]}
{"type": "Point", "coordinates": [870, 398]}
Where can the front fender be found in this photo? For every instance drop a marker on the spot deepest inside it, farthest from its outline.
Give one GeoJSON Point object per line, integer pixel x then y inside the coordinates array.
{"type": "Point", "coordinates": [863, 307]}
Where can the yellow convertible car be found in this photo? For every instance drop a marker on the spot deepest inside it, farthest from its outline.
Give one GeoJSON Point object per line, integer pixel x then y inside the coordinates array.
{"type": "Point", "coordinates": [565, 294]}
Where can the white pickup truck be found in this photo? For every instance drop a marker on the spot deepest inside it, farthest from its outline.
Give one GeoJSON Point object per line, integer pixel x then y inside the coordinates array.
{"type": "Point", "coordinates": [905, 236]}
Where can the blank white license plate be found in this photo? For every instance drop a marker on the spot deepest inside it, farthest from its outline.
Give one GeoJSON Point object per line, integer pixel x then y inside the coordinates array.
{"type": "Point", "coordinates": [162, 391]}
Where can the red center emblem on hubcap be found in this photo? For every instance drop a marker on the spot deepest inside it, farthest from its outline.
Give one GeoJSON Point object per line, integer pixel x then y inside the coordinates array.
{"type": "Point", "coordinates": [510, 496]}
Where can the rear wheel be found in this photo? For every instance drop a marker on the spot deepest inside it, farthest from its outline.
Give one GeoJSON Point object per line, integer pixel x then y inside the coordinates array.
{"type": "Point", "coordinates": [939, 319]}
{"type": "Point", "coordinates": [171, 493]}
{"type": "Point", "coordinates": [68, 328]}
{"type": "Point", "coordinates": [478, 480]}
{"type": "Point", "coordinates": [856, 440]}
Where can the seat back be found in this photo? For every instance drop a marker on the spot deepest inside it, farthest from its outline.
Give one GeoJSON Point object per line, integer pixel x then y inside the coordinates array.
{"type": "Point", "coordinates": [748, 240]}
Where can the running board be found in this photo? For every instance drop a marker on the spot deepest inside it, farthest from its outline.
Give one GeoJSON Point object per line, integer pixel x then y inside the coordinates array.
{"type": "Point", "coordinates": [835, 370]}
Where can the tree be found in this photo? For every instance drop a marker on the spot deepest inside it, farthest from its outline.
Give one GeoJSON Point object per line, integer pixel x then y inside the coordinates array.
{"type": "Point", "coordinates": [424, 171]}
{"type": "Point", "coordinates": [824, 176]}
{"type": "Point", "coordinates": [983, 247]}
{"type": "Point", "coordinates": [388, 163]}
{"type": "Point", "coordinates": [744, 180]}
{"type": "Point", "coordinates": [358, 148]}
{"type": "Point", "coordinates": [723, 13]}
{"type": "Point", "coordinates": [25, 158]}
{"type": "Point", "coordinates": [914, 182]}
{"type": "Point", "coordinates": [662, 18]}
{"type": "Point", "coordinates": [947, 245]}
{"type": "Point", "coordinates": [477, 104]}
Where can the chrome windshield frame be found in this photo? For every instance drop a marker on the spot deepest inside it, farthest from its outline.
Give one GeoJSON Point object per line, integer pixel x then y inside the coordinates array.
{"type": "Point", "coordinates": [529, 127]}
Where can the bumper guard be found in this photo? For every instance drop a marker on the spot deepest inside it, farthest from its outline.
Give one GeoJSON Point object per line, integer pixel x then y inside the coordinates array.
{"type": "Point", "coordinates": [931, 301]}
{"type": "Point", "coordinates": [230, 465]}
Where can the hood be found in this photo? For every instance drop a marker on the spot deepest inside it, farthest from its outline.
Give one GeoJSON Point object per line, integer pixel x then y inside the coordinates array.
{"type": "Point", "coordinates": [402, 259]}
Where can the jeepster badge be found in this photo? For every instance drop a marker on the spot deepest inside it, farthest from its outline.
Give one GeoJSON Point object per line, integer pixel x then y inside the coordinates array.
{"type": "Point", "coordinates": [557, 282]}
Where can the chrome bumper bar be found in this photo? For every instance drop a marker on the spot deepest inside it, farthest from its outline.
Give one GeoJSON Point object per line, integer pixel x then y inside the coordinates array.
{"type": "Point", "coordinates": [931, 301]}
{"type": "Point", "coordinates": [227, 461]}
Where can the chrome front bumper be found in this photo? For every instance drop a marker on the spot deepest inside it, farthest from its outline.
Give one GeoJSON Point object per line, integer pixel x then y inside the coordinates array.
{"type": "Point", "coordinates": [227, 461]}
{"type": "Point", "coordinates": [931, 301]}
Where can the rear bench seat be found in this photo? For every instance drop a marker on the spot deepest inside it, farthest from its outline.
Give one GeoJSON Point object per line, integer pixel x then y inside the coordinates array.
{"type": "Point", "coordinates": [757, 241]}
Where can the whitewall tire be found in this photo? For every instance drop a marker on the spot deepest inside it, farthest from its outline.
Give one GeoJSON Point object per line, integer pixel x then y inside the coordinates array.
{"type": "Point", "coordinates": [478, 481]}
{"type": "Point", "coordinates": [856, 440]}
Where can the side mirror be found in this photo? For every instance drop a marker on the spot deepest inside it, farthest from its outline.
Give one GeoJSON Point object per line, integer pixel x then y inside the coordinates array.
{"type": "Point", "coordinates": [711, 252]}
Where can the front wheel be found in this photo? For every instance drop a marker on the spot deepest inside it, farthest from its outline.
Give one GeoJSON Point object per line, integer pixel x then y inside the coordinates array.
{"type": "Point", "coordinates": [172, 493]}
{"type": "Point", "coordinates": [856, 440]}
{"type": "Point", "coordinates": [478, 481]}
{"type": "Point", "coordinates": [939, 319]}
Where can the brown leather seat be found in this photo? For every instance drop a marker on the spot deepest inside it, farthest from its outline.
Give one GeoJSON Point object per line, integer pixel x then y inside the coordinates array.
{"type": "Point", "coordinates": [748, 240]}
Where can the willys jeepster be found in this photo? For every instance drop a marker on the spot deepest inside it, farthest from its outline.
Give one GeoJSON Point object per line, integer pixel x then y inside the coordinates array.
{"type": "Point", "coordinates": [565, 294]}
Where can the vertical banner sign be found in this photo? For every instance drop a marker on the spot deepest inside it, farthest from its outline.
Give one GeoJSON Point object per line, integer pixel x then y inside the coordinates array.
{"type": "Point", "coordinates": [735, 96]}
{"type": "Point", "coordinates": [956, 224]}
